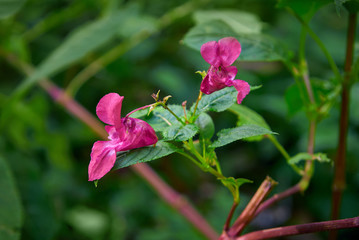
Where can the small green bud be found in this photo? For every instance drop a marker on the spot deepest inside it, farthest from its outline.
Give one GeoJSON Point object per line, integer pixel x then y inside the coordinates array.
{"type": "Point", "coordinates": [202, 73]}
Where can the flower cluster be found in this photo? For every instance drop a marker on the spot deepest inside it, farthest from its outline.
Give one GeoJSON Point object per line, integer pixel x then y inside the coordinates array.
{"type": "Point", "coordinates": [130, 133]}
{"type": "Point", "coordinates": [221, 55]}
{"type": "Point", "coordinates": [124, 134]}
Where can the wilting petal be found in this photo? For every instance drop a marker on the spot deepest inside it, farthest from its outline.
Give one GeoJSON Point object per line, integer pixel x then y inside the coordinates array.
{"type": "Point", "coordinates": [138, 134]}
{"type": "Point", "coordinates": [229, 50]}
{"type": "Point", "coordinates": [243, 89]}
{"type": "Point", "coordinates": [109, 108]}
{"type": "Point", "coordinates": [103, 157]}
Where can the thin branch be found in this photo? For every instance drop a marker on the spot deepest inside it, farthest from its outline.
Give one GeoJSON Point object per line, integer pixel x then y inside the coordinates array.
{"type": "Point", "coordinates": [169, 195]}
{"type": "Point", "coordinates": [229, 217]}
{"type": "Point", "coordinates": [301, 229]}
{"type": "Point", "coordinates": [340, 160]}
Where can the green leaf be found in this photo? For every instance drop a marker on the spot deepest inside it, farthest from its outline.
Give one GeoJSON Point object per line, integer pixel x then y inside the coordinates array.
{"type": "Point", "coordinates": [205, 125]}
{"type": "Point", "coordinates": [242, 22]}
{"type": "Point", "coordinates": [227, 136]}
{"type": "Point", "coordinates": [10, 7]}
{"type": "Point", "coordinates": [144, 154]}
{"type": "Point", "coordinates": [217, 101]}
{"type": "Point", "coordinates": [180, 132]}
{"type": "Point", "coordinates": [248, 116]}
{"type": "Point", "coordinates": [304, 8]}
{"type": "Point", "coordinates": [320, 157]}
{"type": "Point", "coordinates": [255, 46]}
{"type": "Point", "coordinates": [10, 210]}
{"type": "Point", "coordinates": [233, 185]}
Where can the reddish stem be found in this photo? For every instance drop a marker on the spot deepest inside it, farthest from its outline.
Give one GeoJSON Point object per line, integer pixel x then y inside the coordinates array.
{"type": "Point", "coordinates": [340, 161]}
{"type": "Point", "coordinates": [230, 215]}
{"type": "Point", "coordinates": [301, 229]}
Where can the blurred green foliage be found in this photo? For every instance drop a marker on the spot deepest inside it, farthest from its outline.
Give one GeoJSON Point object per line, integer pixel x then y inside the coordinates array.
{"type": "Point", "coordinates": [44, 152]}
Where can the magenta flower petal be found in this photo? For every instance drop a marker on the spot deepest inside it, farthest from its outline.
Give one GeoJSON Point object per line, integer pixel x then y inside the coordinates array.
{"type": "Point", "coordinates": [217, 79]}
{"type": "Point", "coordinates": [243, 89]}
{"type": "Point", "coordinates": [124, 134]}
{"type": "Point", "coordinates": [103, 157]}
{"type": "Point", "coordinates": [221, 53]}
{"type": "Point", "coordinates": [210, 52]}
{"type": "Point", "coordinates": [229, 73]}
{"type": "Point", "coordinates": [138, 134]}
{"type": "Point", "coordinates": [109, 108]}
{"type": "Point", "coordinates": [229, 50]}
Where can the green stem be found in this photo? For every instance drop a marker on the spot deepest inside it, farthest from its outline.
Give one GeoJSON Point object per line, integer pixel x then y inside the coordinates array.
{"type": "Point", "coordinates": [169, 110]}
{"type": "Point", "coordinates": [309, 166]}
{"type": "Point", "coordinates": [296, 75]}
{"type": "Point", "coordinates": [195, 107]}
{"type": "Point", "coordinates": [284, 153]}
{"type": "Point", "coordinates": [204, 166]}
{"type": "Point", "coordinates": [192, 159]}
{"type": "Point", "coordinates": [302, 40]}
{"type": "Point", "coordinates": [319, 43]}
{"type": "Point", "coordinates": [218, 166]}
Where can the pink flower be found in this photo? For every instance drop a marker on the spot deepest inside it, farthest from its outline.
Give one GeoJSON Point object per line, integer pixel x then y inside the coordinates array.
{"type": "Point", "coordinates": [221, 55]}
{"type": "Point", "coordinates": [124, 134]}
